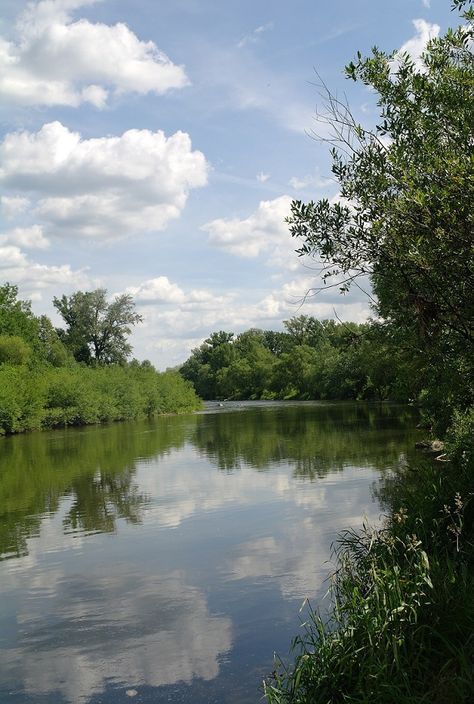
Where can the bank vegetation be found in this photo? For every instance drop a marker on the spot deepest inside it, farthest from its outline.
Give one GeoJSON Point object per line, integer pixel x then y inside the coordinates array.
{"type": "Point", "coordinates": [401, 628]}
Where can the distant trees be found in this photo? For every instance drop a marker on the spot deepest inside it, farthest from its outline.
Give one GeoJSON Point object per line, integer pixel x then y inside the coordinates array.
{"type": "Point", "coordinates": [97, 331]}
{"type": "Point", "coordinates": [313, 359]}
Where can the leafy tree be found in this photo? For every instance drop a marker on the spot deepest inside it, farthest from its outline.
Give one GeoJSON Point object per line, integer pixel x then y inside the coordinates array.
{"type": "Point", "coordinates": [52, 350]}
{"type": "Point", "coordinates": [304, 329]}
{"type": "Point", "coordinates": [16, 317]}
{"type": "Point", "coordinates": [215, 353]}
{"type": "Point", "coordinates": [97, 331]}
{"type": "Point", "coordinates": [405, 218]}
{"type": "Point", "coordinates": [277, 342]}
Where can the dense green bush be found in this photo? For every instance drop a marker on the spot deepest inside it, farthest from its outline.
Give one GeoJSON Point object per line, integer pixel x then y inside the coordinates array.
{"type": "Point", "coordinates": [22, 398]}
{"type": "Point", "coordinates": [14, 350]}
{"type": "Point", "coordinates": [48, 397]}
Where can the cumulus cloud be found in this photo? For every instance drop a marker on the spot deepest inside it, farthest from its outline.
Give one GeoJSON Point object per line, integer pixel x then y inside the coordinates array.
{"type": "Point", "coordinates": [56, 60]}
{"type": "Point", "coordinates": [103, 187]}
{"type": "Point", "coordinates": [263, 230]}
{"type": "Point", "coordinates": [185, 317]}
{"type": "Point", "coordinates": [162, 291]}
{"type": "Point", "coordinates": [29, 237]}
{"type": "Point", "coordinates": [12, 206]}
{"type": "Point", "coordinates": [33, 277]}
{"type": "Point", "coordinates": [417, 44]}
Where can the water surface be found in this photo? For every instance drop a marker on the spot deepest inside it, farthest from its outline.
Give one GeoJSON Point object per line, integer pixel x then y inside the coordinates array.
{"type": "Point", "coordinates": [166, 561]}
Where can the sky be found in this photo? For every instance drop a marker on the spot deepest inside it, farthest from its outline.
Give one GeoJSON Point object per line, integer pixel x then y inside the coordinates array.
{"type": "Point", "coordinates": [154, 148]}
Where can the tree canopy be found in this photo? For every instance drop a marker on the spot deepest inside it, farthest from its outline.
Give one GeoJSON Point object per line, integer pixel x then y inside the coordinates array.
{"type": "Point", "coordinates": [97, 331]}
{"type": "Point", "coordinates": [16, 317]}
{"type": "Point", "coordinates": [313, 359]}
{"type": "Point", "coordinates": [405, 216]}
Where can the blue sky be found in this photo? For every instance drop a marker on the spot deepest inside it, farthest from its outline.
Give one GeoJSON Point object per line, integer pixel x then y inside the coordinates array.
{"type": "Point", "coordinates": [154, 148]}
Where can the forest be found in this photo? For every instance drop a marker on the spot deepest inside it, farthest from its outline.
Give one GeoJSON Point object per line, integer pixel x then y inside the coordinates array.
{"type": "Point", "coordinates": [310, 359]}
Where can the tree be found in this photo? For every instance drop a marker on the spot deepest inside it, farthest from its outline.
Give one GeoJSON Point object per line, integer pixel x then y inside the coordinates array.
{"type": "Point", "coordinates": [304, 329]}
{"type": "Point", "coordinates": [405, 216]}
{"type": "Point", "coordinates": [97, 331]}
{"type": "Point", "coordinates": [52, 350]}
{"type": "Point", "coordinates": [16, 317]}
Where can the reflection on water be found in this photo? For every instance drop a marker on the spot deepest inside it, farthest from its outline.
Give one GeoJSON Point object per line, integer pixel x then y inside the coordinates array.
{"type": "Point", "coordinates": [167, 560]}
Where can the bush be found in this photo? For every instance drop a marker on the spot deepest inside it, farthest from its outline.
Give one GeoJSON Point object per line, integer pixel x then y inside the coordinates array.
{"type": "Point", "coordinates": [22, 398]}
{"type": "Point", "coordinates": [14, 350]}
{"type": "Point", "coordinates": [49, 397]}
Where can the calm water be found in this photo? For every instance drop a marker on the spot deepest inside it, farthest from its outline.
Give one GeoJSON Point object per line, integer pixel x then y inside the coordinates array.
{"type": "Point", "coordinates": [166, 561]}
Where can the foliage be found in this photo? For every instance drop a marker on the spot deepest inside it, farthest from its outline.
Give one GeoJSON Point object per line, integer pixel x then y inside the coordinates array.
{"type": "Point", "coordinates": [312, 360]}
{"type": "Point", "coordinates": [96, 331]}
{"type": "Point", "coordinates": [400, 633]}
{"type": "Point", "coordinates": [21, 399]}
{"type": "Point", "coordinates": [14, 350]}
{"type": "Point", "coordinates": [42, 386]}
{"type": "Point", "coordinates": [402, 621]}
{"type": "Point", "coordinates": [16, 318]}
{"type": "Point", "coordinates": [405, 215]}
{"type": "Point", "coordinates": [52, 350]}
{"type": "Point", "coordinates": [48, 397]}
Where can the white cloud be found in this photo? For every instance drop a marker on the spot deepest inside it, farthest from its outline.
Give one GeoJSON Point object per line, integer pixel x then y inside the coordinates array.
{"type": "Point", "coordinates": [13, 206]}
{"type": "Point", "coordinates": [11, 257]}
{"type": "Point", "coordinates": [417, 44]}
{"type": "Point", "coordinates": [310, 181]}
{"type": "Point", "coordinates": [426, 3]}
{"type": "Point", "coordinates": [103, 187]}
{"type": "Point", "coordinates": [253, 37]}
{"type": "Point", "coordinates": [58, 61]}
{"type": "Point", "coordinates": [264, 230]}
{"type": "Point", "coordinates": [34, 277]}
{"type": "Point", "coordinates": [162, 291]}
{"type": "Point", "coordinates": [29, 237]}
{"type": "Point", "coordinates": [262, 177]}
{"type": "Point", "coordinates": [185, 317]}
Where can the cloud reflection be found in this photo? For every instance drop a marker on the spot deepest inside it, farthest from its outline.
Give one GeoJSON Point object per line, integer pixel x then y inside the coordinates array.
{"type": "Point", "coordinates": [121, 630]}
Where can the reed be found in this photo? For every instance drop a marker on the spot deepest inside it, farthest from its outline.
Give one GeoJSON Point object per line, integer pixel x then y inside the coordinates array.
{"type": "Point", "coordinates": [401, 626]}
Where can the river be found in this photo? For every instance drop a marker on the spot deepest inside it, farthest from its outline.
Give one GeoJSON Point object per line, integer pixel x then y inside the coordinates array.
{"type": "Point", "coordinates": [166, 561]}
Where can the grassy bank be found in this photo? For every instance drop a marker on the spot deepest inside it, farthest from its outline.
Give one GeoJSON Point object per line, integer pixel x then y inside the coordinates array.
{"type": "Point", "coordinates": [48, 397]}
{"type": "Point", "coordinates": [401, 627]}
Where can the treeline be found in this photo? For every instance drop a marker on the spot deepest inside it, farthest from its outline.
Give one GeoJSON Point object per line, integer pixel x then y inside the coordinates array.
{"type": "Point", "coordinates": [311, 359]}
{"type": "Point", "coordinates": [78, 375]}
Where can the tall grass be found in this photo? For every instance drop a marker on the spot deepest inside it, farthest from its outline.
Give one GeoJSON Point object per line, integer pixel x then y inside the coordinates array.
{"type": "Point", "coordinates": [401, 628]}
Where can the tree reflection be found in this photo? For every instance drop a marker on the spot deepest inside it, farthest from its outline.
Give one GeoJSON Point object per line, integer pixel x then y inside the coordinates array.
{"type": "Point", "coordinates": [313, 438]}
{"type": "Point", "coordinates": [94, 467]}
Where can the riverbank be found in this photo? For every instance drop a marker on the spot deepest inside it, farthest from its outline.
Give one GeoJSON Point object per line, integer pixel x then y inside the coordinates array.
{"type": "Point", "coordinates": [402, 623]}
{"type": "Point", "coordinates": [46, 397]}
